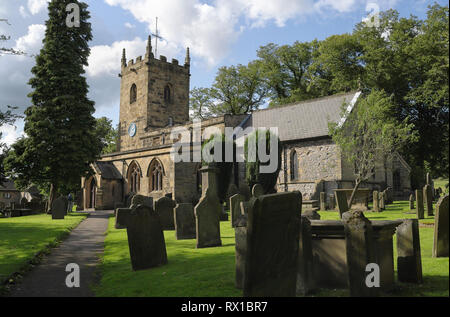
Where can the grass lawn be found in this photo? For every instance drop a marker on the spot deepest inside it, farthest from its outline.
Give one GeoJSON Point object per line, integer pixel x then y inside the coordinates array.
{"type": "Point", "coordinates": [22, 238]}
{"type": "Point", "coordinates": [195, 272]}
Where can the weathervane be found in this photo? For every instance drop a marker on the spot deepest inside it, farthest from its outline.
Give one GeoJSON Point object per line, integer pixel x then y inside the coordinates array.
{"type": "Point", "coordinates": [157, 36]}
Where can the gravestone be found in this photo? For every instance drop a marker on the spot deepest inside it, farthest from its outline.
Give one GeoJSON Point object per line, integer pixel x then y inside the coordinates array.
{"type": "Point", "coordinates": [240, 234]}
{"type": "Point", "coordinates": [323, 201]}
{"type": "Point", "coordinates": [23, 202]}
{"type": "Point", "coordinates": [184, 221]}
{"type": "Point", "coordinates": [360, 251]}
{"type": "Point", "coordinates": [382, 201]}
{"type": "Point", "coordinates": [257, 190]}
{"type": "Point", "coordinates": [145, 238]}
{"type": "Point", "coordinates": [409, 263]}
{"type": "Point", "coordinates": [207, 212]}
{"type": "Point", "coordinates": [59, 208]}
{"type": "Point", "coordinates": [235, 208]}
{"type": "Point", "coordinates": [341, 201]}
{"type": "Point", "coordinates": [305, 281]}
{"type": "Point", "coordinates": [311, 214]}
{"type": "Point", "coordinates": [419, 204]}
{"type": "Point", "coordinates": [376, 201]}
{"type": "Point", "coordinates": [122, 216]}
{"type": "Point", "coordinates": [332, 202]}
{"type": "Point", "coordinates": [128, 199]}
{"type": "Point", "coordinates": [428, 199]}
{"type": "Point", "coordinates": [389, 196]}
{"type": "Point", "coordinates": [223, 213]}
{"type": "Point", "coordinates": [273, 232]}
{"type": "Point", "coordinates": [141, 200]}
{"type": "Point", "coordinates": [164, 209]}
{"type": "Point", "coordinates": [411, 202]}
{"type": "Point", "coordinates": [429, 180]}
{"type": "Point", "coordinates": [441, 221]}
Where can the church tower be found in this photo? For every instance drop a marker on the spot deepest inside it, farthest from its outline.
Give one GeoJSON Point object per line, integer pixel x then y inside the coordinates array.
{"type": "Point", "coordinates": [154, 94]}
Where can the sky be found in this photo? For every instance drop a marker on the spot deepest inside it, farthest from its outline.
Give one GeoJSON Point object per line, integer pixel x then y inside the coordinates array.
{"type": "Point", "coordinates": [218, 33]}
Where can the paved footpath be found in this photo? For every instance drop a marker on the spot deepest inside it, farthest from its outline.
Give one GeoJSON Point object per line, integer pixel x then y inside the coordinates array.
{"type": "Point", "coordinates": [83, 247]}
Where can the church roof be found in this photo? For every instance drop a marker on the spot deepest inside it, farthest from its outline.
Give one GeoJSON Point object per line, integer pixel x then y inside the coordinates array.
{"type": "Point", "coordinates": [8, 185]}
{"type": "Point", "coordinates": [107, 170]}
{"type": "Point", "coordinates": [305, 119]}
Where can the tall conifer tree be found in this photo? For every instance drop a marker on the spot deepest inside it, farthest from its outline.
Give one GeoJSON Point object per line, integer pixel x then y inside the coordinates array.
{"type": "Point", "coordinates": [59, 125]}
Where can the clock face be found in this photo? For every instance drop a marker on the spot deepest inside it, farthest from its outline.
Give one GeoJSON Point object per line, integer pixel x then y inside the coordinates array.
{"type": "Point", "coordinates": [132, 130]}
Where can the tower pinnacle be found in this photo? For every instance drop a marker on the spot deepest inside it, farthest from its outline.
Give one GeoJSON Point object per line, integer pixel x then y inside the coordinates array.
{"type": "Point", "coordinates": [124, 58]}
{"type": "Point", "coordinates": [149, 52]}
{"type": "Point", "coordinates": [187, 61]}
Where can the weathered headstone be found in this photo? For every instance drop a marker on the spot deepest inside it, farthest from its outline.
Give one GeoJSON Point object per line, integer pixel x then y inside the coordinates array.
{"type": "Point", "coordinates": [122, 216]}
{"type": "Point", "coordinates": [429, 180]}
{"type": "Point", "coordinates": [257, 190]}
{"type": "Point", "coordinates": [311, 214]}
{"type": "Point", "coordinates": [273, 232]}
{"type": "Point", "coordinates": [341, 200]}
{"type": "Point", "coordinates": [419, 204]}
{"type": "Point", "coordinates": [305, 281]}
{"type": "Point", "coordinates": [184, 222]}
{"type": "Point", "coordinates": [409, 263]}
{"type": "Point", "coordinates": [332, 202]}
{"type": "Point", "coordinates": [376, 201]}
{"type": "Point", "coordinates": [145, 239]}
{"type": "Point", "coordinates": [323, 201]}
{"type": "Point", "coordinates": [164, 208]}
{"type": "Point", "coordinates": [128, 199]}
{"type": "Point", "coordinates": [441, 221]}
{"type": "Point", "coordinates": [235, 208]}
{"type": "Point", "coordinates": [240, 233]}
{"type": "Point", "coordinates": [207, 212]}
{"type": "Point", "coordinates": [136, 200]}
{"type": "Point", "coordinates": [411, 202]}
{"type": "Point", "coordinates": [382, 201]}
{"type": "Point", "coordinates": [59, 208]}
{"type": "Point", "coordinates": [428, 199]}
{"type": "Point", "coordinates": [360, 249]}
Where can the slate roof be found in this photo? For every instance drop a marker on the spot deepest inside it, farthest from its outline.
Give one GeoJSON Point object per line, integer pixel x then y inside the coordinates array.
{"type": "Point", "coordinates": [107, 170]}
{"type": "Point", "coordinates": [302, 120]}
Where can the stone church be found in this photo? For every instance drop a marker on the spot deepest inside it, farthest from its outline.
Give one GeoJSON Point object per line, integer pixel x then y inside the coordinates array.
{"type": "Point", "coordinates": [154, 99]}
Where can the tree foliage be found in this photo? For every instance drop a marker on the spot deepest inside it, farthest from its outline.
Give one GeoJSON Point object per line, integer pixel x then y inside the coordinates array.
{"type": "Point", "coordinates": [60, 140]}
{"type": "Point", "coordinates": [369, 135]}
{"type": "Point", "coordinates": [107, 134]}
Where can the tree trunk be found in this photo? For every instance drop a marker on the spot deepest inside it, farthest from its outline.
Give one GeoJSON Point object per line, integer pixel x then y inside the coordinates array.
{"type": "Point", "coordinates": [51, 198]}
{"type": "Point", "coordinates": [352, 197]}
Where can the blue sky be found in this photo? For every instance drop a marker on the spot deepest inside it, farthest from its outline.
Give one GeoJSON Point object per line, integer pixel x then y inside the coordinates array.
{"type": "Point", "coordinates": [218, 32]}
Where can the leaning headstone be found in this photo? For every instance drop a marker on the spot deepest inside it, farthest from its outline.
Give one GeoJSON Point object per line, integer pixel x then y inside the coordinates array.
{"type": "Point", "coordinates": [323, 201]}
{"type": "Point", "coordinates": [411, 202]}
{"type": "Point", "coordinates": [376, 201]}
{"type": "Point", "coordinates": [305, 260]}
{"type": "Point", "coordinates": [419, 204]}
{"type": "Point", "coordinates": [207, 212]}
{"type": "Point", "coordinates": [360, 250]}
{"type": "Point", "coordinates": [273, 232]}
{"type": "Point", "coordinates": [145, 239]}
{"type": "Point", "coordinates": [428, 199]}
{"type": "Point", "coordinates": [441, 221]}
{"type": "Point", "coordinates": [332, 202]}
{"type": "Point", "coordinates": [164, 208]}
{"type": "Point", "coordinates": [235, 208]}
{"type": "Point", "coordinates": [184, 221]}
{"type": "Point", "coordinates": [59, 208]}
{"type": "Point", "coordinates": [341, 200]}
{"type": "Point", "coordinates": [409, 263]}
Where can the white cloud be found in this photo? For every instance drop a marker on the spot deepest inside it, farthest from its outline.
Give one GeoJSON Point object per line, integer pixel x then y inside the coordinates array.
{"type": "Point", "coordinates": [31, 43]}
{"type": "Point", "coordinates": [36, 6]}
{"type": "Point", "coordinates": [129, 25]}
{"type": "Point", "coordinates": [10, 134]}
{"type": "Point", "coordinates": [23, 12]}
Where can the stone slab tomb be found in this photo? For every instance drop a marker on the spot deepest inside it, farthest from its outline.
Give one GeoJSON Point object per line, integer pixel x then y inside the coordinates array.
{"type": "Point", "coordinates": [273, 232]}
{"type": "Point", "coordinates": [441, 221]}
{"type": "Point", "coordinates": [409, 262]}
{"type": "Point", "coordinates": [184, 221]}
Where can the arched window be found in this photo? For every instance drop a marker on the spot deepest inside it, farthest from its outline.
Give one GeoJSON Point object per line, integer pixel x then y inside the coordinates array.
{"type": "Point", "coordinates": [396, 181]}
{"type": "Point", "coordinates": [133, 93]}
{"type": "Point", "coordinates": [294, 165]}
{"type": "Point", "coordinates": [167, 94]}
{"type": "Point", "coordinates": [156, 176]}
{"type": "Point", "coordinates": [134, 177]}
